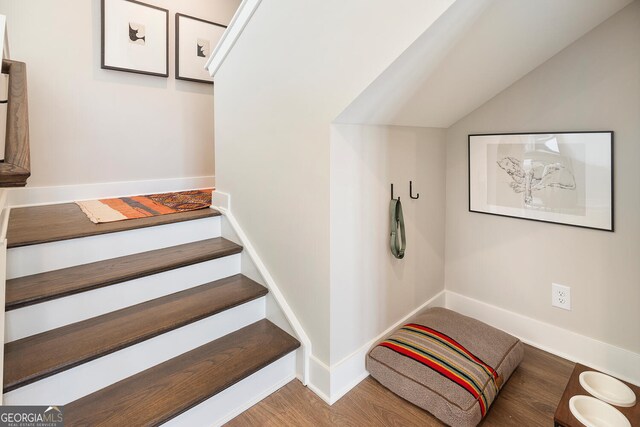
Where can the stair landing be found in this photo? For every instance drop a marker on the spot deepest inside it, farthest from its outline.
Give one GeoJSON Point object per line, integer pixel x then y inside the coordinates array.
{"type": "Point", "coordinates": [51, 223]}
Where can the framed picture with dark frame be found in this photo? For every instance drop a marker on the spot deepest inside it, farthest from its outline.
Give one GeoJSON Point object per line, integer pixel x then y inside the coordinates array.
{"type": "Point", "coordinates": [135, 37]}
{"type": "Point", "coordinates": [558, 177]}
{"type": "Point", "coordinates": [195, 40]}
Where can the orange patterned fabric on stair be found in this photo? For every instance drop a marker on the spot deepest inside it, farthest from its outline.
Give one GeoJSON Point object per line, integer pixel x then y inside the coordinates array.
{"type": "Point", "coordinates": [121, 208]}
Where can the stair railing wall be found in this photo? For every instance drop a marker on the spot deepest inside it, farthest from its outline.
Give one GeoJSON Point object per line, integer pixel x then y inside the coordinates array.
{"type": "Point", "coordinates": [237, 25]}
{"type": "Point", "coordinates": [239, 21]}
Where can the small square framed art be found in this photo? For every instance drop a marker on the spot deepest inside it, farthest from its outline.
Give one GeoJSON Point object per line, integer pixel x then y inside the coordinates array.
{"type": "Point", "coordinates": [195, 41]}
{"type": "Point", "coordinates": [135, 37]}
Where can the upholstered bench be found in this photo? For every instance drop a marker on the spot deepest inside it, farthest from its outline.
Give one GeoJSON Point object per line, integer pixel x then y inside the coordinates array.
{"type": "Point", "coordinates": [448, 364]}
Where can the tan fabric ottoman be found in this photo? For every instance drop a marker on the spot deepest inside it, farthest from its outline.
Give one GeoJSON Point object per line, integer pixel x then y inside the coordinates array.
{"type": "Point", "coordinates": [448, 364]}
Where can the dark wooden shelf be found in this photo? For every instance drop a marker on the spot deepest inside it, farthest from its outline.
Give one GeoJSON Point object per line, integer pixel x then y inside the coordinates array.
{"type": "Point", "coordinates": [16, 166]}
{"type": "Point", "coordinates": [41, 287]}
{"type": "Point", "coordinates": [38, 356]}
{"type": "Point", "coordinates": [164, 391]}
{"type": "Point", "coordinates": [51, 223]}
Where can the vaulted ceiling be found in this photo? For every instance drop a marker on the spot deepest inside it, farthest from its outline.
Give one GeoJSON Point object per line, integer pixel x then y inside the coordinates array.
{"type": "Point", "coordinates": [475, 50]}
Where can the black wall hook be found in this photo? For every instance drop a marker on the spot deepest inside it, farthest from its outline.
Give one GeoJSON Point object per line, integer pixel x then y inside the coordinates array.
{"type": "Point", "coordinates": [392, 192]}
{"type": "Point", "coordinates": [410, 191]}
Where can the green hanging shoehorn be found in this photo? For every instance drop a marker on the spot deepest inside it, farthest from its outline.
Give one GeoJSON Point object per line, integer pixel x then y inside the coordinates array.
{"type": "Point", "coordinates": [398, 238]}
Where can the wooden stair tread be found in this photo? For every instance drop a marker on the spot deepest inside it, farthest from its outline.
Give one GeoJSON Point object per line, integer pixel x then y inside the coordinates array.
{"type": "Point", "coordinates": [164, 391]}
{"type": "Point", "coordinates": [51, 223]}
{"type": "Point", "coordinates": [38, 356]}
{"type": "Point", "coordinates": [37, 288]}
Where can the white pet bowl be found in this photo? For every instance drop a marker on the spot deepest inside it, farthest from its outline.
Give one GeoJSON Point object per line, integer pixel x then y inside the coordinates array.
{"type": "Point", "coordinates": [595, 413]}
{"type": "Point", "coordinates": [607, 388]}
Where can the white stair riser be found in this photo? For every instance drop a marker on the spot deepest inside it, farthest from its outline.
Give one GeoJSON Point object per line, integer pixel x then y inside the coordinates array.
{"type": "Point", "coordinates": [89, 377]}
{"type": "Point", "coordinates": [27, 260]}
{"type": "Point", "coordinates": [231, 402]}
{"type": "Point", "coordinates": [37, 318]}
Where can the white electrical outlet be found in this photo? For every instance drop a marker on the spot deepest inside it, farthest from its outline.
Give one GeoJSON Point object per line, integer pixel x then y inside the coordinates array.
{"type": "Point", "coordinates": [561, 296]}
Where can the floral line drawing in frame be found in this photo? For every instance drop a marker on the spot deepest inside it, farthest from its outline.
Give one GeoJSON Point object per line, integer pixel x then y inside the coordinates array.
{"type": "Point", "coordinates": [558, 177]}
{"type": "Point", "coordinates": [134, 37]}
{"type": "Point", "coordinates": [195, 41]}
{"type": "Point", "coordinates": [538, 177]}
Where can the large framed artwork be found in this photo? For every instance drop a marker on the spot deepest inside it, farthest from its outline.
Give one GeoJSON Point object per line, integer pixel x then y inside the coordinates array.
{"type": "Point", "coordinates": [562, 177]}
{"type": "Point", "coordinates": [195, 40]}
{"type": "Point", "coordinates": [135, 37]}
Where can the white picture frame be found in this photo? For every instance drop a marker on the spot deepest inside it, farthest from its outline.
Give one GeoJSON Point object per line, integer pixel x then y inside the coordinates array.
{"type": "Point", "coordinates": [562, 177]}
{"type": "Point", "coordinates": [195, 41]}
{"type": "Point", "coordinates": [135, 37]}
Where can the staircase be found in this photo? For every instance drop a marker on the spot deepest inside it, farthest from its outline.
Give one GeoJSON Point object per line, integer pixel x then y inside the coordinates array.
{"type": "Point", "coordinates": [137, 322]}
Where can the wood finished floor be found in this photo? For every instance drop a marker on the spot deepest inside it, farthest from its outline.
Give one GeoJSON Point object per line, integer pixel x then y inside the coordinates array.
{"type": "Point", "coordinates": [529, 399]}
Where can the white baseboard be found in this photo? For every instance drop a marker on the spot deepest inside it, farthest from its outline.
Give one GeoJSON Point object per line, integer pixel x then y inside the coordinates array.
{"type": "Point", "coordinates": [569, 345]}
{"type": "Point", "coordinates": [320, 379]}
{"type": "Point", "coordinates": [267, 280]}
{"type": "Point", "coordinates": [221, 200]}
{"type": "Point", "coordinates": [331, 383]}
{"type": "Point", "coordinates": [31, 196]}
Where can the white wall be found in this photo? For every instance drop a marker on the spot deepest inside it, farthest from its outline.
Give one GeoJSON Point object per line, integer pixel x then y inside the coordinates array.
{"type": "Point", "coordinates": [89, 125]}
{"type": "Point", "coordinates": [370, 289]}
{"type": "Point", "coordinates": [594, 84]}
{"type": "Point", "coordinates": [294, 69]}
{"type": "Point", "coordinates": [4, 220]}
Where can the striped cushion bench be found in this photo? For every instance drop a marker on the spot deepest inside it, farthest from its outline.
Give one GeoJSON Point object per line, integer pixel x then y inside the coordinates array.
{"type": "Point", "coordinates": [448, 364]}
